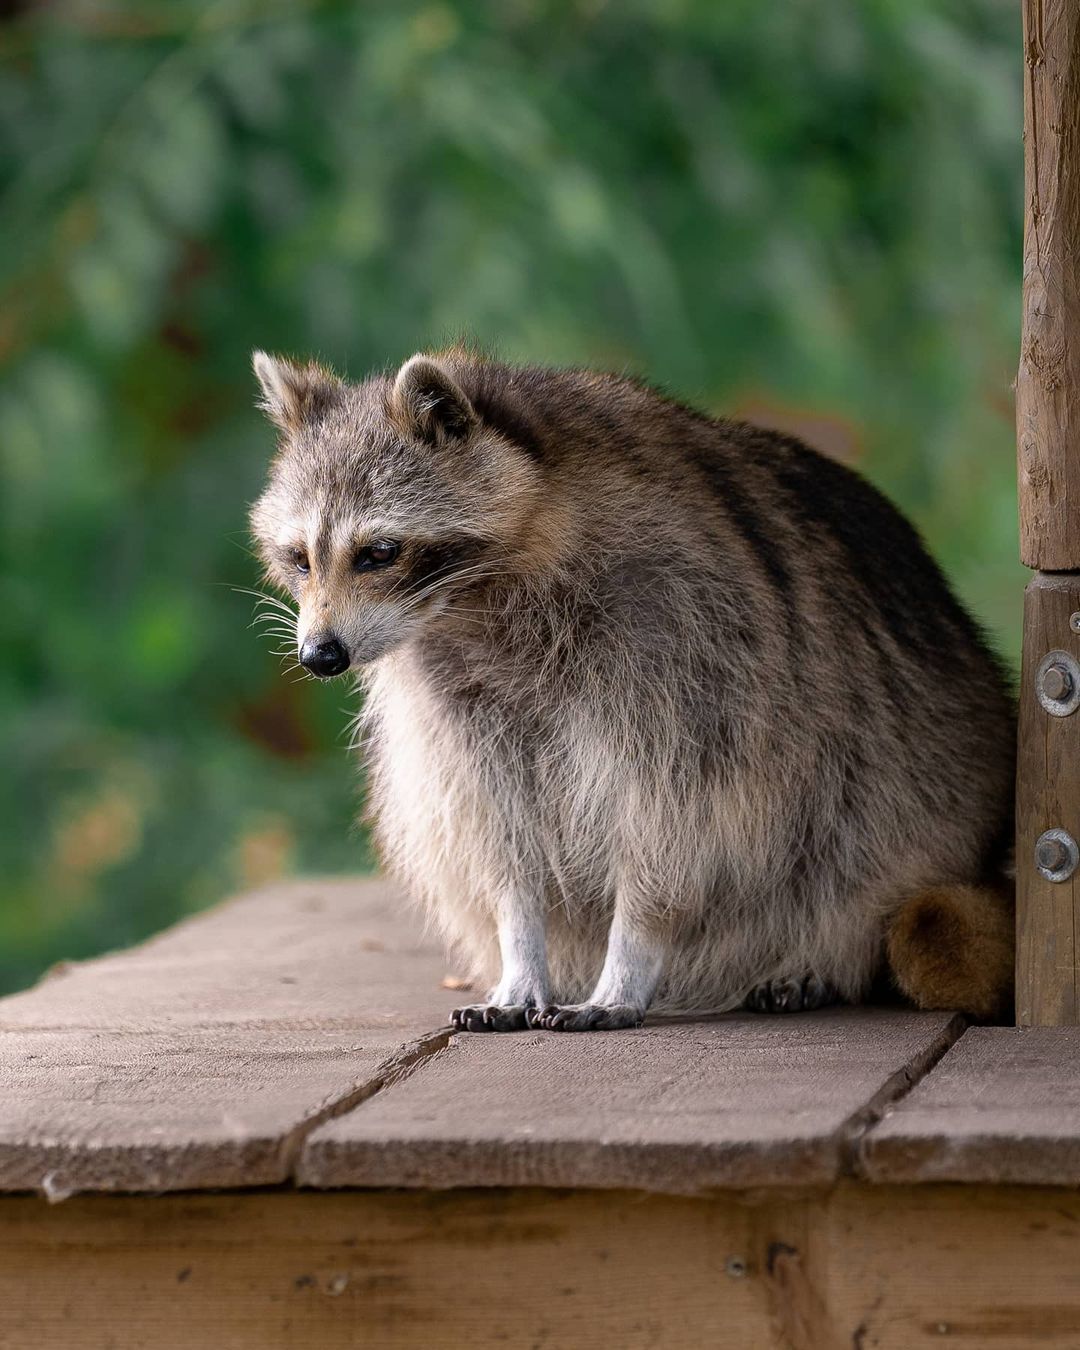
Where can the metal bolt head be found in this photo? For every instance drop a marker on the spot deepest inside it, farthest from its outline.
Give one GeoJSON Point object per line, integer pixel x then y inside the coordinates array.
{"type": "Point", "coordinates": [1050, 854]}
{"type": "Point", "coordinates": [1056, 855]}
{"type": "Point", "coordinates": [1074, 622]}
{"type": "Point", "coordinates": [1057, 683]}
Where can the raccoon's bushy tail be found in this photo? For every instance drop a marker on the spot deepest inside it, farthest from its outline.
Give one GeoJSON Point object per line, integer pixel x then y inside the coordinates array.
{"type": "Point", "coordinates": [953, 947]}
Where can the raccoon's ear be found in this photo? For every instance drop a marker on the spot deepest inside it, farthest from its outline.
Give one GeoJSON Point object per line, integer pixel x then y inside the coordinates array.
{"type": "Point", "coordinates": [428, 402]}
{"type": "Point", "coordinates": [292, 394]}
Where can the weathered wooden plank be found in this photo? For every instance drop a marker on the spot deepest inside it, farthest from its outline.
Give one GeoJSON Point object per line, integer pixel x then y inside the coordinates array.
{"type": "Point", "coordinates": [1002, 1106]}
{"type": "Point", "coordinates": [737, 1101]}
{"type": "Point", "coordinates": [172, 1112]}
{"type": "Point", "coordinates": [198, 1058]}
{"type": "Point", "coordinates": [205, 1057]}
{"type": "Point", "coordinates": [1048, 380]}
{"type": "Point", "coordinates": [887, 1267]}
{"type": "Point", "coordinates": [1048, 797]}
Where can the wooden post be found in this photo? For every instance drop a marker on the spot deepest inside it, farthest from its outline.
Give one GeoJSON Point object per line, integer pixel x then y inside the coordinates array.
{"type": "Point", "coordinates": [1048, 453]}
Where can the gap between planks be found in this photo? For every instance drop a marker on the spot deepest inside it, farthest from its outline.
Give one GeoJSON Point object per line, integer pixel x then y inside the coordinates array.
{"type": "Point", "coordinates": [394, 1070]}
{"type": "Point", "coordinates": [892, 1091]}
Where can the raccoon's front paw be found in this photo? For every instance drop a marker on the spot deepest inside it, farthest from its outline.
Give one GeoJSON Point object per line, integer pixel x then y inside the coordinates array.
{"type": "Point", "coordinates": [791, 996]}
{"type": "Point", "coordinates": [585, 1017]}
{"type": "Point", "coordinates": [490, 1017]}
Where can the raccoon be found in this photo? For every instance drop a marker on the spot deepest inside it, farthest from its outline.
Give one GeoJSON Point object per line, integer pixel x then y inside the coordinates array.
{"type": "Point", "coordinates": [662, 710]}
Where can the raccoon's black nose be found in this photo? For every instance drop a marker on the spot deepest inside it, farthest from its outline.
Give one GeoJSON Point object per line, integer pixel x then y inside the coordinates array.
{"type": "Point", "coordinates": [324, 657]}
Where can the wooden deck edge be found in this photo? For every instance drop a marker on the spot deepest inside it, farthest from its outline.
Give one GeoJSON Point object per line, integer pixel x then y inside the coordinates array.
{"type": "Point", "coordinates": [1000, 1158]}
{"type": "Point", "coordinates": [892, 1267]}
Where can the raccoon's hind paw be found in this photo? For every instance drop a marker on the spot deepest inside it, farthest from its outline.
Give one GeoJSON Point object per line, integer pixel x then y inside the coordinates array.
{"type": "Point", "coordinates": [791, 996]}
{"type": "Point", "coordinates": [953, 947]}
{"type": "Point", "coordinates": [585, 1017]}
{"type": "Point", "coordinates": [490, 1017]}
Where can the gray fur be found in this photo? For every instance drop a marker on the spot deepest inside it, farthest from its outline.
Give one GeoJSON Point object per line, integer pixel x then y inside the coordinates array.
{"type": "Point", "coordinates": [658, 708]}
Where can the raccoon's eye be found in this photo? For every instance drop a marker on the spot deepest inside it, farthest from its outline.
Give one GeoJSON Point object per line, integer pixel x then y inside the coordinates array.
{"type": "Point", "coordinates": [379, 554]}
{"type": "Point", "coordinates": [300, 559]}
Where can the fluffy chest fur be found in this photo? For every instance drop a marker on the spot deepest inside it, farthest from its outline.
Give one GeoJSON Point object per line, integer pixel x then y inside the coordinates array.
{"type": "Point", "coordinates": [565, 752]}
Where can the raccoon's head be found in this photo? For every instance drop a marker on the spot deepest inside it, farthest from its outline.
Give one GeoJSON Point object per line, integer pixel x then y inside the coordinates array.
{"type": "Point", "coordinates": [387, 502]}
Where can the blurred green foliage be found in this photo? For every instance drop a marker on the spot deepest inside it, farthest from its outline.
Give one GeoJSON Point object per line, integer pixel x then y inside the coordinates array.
{"type": "Point", "coordinates": [808, 210]}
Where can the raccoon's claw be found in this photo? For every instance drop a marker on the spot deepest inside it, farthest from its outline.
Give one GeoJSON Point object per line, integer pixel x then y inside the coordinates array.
{"type": "Point", "coordinates": [791, 996]}
{"type": "Point", "coordinates": [584, 1017]}
{"type": "Point", "coordinates": [490, 1017]}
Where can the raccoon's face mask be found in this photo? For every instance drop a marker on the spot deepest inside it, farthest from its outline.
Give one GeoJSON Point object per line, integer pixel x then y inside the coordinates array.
{"type": "Point", "coordinates": [364, 598]}
{"type": "Point", "coordinates": [387, 503]}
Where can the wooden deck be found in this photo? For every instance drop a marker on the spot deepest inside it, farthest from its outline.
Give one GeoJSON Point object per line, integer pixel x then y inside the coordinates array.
{"type": "Point", "coordinates": [256, 1130]}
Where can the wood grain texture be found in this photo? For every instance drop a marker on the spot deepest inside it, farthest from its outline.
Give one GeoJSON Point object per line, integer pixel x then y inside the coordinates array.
{"type": "Point", "coordinates": [855, 1268]}
{"type": "Point", "coordinates": [327, 1272]}
{"type": "Point", "coordinates": [742, 1100]}
{"type": "Point", "coordinates": [199, 1058]}
{"type": "Point", "coordinates": [208, 1056]}
{"type": "Point", "coordinates": [1048, 380]}
{"type": "Point", "coordinates": [1002, 1106]}
{"type": "Point", "coordinates": [1047, 796]}
{"type": "Point", "coordinates": [985, 1268]}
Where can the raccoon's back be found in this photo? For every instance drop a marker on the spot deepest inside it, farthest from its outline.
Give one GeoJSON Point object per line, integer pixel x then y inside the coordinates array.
{"type": "Point", "coordinates": [744, 504]}
{"type": "Point", "coordinates": [866, 621]}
